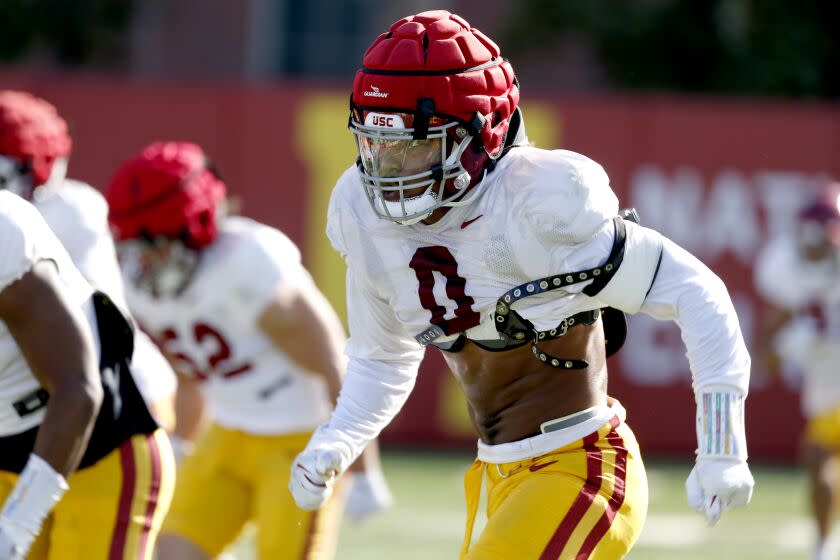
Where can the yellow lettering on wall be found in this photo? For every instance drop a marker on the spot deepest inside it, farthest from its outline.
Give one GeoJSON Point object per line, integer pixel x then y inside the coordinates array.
{"type": "Point", "coordinates": [328, 149]}
{"type": "Point", "coordinates": [543, 125]}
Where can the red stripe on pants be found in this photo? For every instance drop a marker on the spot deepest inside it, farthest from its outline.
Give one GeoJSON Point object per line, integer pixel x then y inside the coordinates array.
{"type": "Point", "coordinates": [616, 500]}
{"type": "Point", "coordinates": [582, 502]}
{"type": "Point", "coordinates": [154, 492]}
{"type": "Point", "coordinates": [129, 481]}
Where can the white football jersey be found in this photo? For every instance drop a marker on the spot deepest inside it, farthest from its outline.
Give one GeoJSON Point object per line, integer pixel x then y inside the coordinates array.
{"type": "Point", "coordinates": [25, 239]}
{"type": "Point", "coordinates": [78, 215]}
{"type": "Point", "coordinates": [456, 269]}
{"type": "Point", "coordinates": [211, 330]}
{"type": "Point", "coordinates": [811, 341]}
{"type": "Point", "coordinates": [540, 213]}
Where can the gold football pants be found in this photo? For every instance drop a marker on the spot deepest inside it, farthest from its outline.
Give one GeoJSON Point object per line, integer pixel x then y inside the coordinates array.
{"type": "Point", "coordinates": [586, 500]}
{"type": "Point", "coordinates": [234, 477]}
{"type": "Point", "coordinates": [113, 509]}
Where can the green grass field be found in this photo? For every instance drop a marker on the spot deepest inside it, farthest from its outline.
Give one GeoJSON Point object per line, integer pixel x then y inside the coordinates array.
{"type": "Point", "coordinates": [427, 521]}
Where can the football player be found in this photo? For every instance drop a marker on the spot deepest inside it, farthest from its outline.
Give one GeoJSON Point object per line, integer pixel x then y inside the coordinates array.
{"type": "Point", "coordinates": [62, 414]}
{"type": "Point", "coordinates": [35, 145]}
{"type": "Point", "coordinates": [516, 263]}
{"type": "Point", "coordinates": [232, 306]}
{"type": "Point", "coordinates": [802, 326]}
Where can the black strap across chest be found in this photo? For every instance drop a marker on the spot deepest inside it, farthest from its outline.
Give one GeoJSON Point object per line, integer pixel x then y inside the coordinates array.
{"type": "Point", "coordinates": [515, 331]}
{"type": "Point", "coordinates": [511, 325]}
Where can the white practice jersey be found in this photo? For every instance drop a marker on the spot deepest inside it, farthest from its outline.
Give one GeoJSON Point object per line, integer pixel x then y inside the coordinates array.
{"type": "Point", "coordinates": [211, 330]}
{"type": "Point", "coordinates": [539, 213]}
{"type": "Point", "coordinates": [811, 340]}
{"type": "Point", "coordinates": [78, 215]}
{"type": "Point", "coordinates": [25, 239]}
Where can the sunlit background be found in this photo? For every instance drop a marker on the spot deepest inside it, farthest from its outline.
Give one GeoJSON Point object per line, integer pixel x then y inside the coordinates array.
{"type": "Point", "coordinates": [714, 119]}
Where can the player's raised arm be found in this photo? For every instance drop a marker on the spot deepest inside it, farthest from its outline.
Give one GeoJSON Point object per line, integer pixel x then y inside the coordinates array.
{"type": "Point", "coordinates": [688, 293]}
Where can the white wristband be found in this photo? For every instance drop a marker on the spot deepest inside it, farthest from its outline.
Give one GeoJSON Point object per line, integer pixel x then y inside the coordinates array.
{"type": "Point", "coordinates": [38, 489]}
{"type": "Point", "coordinates": [720, 424]}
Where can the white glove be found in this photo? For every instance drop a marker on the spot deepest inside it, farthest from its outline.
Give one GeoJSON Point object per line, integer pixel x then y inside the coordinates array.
{"type": "Point", "coordinates": [15, 541]}
{"type": "Point", "coordinates": [7, 548]}
{"type": "Point", "coordinates": [369, 494]}
{"type": "Point", "coordinates": [715, 485]}
{"type": "Point", "coordinates": [314, 472]}
{"type": "Point", "coordinates": [720, 479]}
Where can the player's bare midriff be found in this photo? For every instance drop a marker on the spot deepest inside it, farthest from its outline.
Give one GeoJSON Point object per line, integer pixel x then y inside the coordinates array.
{"type": "Point", "coordinates": [510, 393]}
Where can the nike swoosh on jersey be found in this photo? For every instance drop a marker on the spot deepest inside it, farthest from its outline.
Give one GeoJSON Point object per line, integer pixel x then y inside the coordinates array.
{"type": "Point", "coordinates": [468, 222]}
{"type": "Point", "coordinates": [535, 468]}
{"type": "Point", "coordinates": [271, 390]}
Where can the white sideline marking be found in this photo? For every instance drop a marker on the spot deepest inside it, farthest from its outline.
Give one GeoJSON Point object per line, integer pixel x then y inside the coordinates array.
{"type": "Point", "coordinates": [673, 531]}
{"type": "Point", "coordinates": [795, 534]}
{"type": "Point", "coordinates": [678, 531]}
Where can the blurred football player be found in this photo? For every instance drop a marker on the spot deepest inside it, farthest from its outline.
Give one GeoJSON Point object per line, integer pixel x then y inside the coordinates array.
{"type": "Point", "coordinates": [515, 263]}
{"type": "Point", "coordinates": [62, 414]}
{"type": "Point", "coordinates": [802, 329]}
{"type": "Point", "coordinates": [232, 306]}
{"type": "Point", "coordinates": [35, 145]}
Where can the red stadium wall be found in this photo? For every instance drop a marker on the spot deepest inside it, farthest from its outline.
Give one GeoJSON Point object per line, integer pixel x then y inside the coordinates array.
{"type": "Point", "coordinates": [718, 177]}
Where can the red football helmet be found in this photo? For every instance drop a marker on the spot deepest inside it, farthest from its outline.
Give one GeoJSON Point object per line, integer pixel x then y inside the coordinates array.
{"type": "Point", "coordinates": [431, 109]}
{"type": "Point", "coordinates": [165, 205]}
{"type": "Point", "coordinates": [34, 142]}
{"type": "Point", "coordinates": [168, 190]}
{"type": "Point", "coordinates": [819, 220]}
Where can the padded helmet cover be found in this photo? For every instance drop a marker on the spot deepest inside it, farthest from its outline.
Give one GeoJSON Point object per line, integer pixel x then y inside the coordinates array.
{"type": "Point", "coordinates": [167, 190]}
{"type": "Point", "coordinates": [32, 131]}
{"type": "Point", "coordinates": [438, 55]}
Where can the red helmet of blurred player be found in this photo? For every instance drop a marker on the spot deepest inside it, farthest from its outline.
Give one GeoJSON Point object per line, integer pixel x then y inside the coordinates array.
{"type": "Point", "coordinates": [34, 142]}
{"type": "Point", "coordinates": [818, 223]}
{"type": "Point", "coordinates": [431, 110]}
{"type": "Point", "coordinates": [165, 206]}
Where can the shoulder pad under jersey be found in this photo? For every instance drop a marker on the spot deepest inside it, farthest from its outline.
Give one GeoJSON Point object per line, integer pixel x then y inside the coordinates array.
{"type": "Point", "coordinates": [566, 197]}
{"type": "Point", "coordinates": [25, 239]}
{"type": "Point", "coordinates": [349, 216]}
